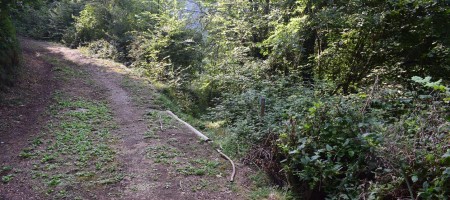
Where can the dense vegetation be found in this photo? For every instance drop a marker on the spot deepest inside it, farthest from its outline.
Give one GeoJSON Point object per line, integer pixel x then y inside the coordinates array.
{"type": "Point", "coordinates": [356, 97]}
{"type": "Point", "coordinates": [9, 47]}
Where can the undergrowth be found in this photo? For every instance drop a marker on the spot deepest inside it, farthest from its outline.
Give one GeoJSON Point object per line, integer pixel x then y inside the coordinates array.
{"type": "Point", "coordinates": [74, 150]}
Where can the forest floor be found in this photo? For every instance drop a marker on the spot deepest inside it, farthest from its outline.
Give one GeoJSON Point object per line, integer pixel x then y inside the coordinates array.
{"type": "Point", "coordinates": [76, 127]}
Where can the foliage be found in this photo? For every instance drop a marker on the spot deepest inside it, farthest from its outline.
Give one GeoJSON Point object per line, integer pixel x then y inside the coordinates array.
{"type": "Point", "coordinates": [103, 49]}
{"type": "Point", "coordinates": [9, 48]}
{"type": "Point", "coordinates": [91, 23]}
{"type": "Point", "coordinates": [326, 132]}
{"type": "Point", "coordinates": [341, 146]}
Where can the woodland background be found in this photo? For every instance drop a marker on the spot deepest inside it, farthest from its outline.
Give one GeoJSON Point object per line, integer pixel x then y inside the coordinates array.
{"type": "Point", "coordinates": [356, 96]}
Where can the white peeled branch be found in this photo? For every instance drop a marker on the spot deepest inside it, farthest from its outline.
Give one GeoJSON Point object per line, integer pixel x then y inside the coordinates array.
{"type": "Point", "coordinates": [203, 137]}
{"type": "Point", "coordinates": [206, 139]}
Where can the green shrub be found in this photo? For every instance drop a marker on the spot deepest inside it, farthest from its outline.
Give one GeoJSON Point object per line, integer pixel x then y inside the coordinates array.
{"type": "Point", "coordinates": [104, 49]}
{"type": "Point", "coordinates": [51, 21]}
{"type": "Point", "coordinates": [9, 51]}
{"type": "Point", "coordinates": [92, 23]}
{"type": "Point", "coordinates": [385, 144]}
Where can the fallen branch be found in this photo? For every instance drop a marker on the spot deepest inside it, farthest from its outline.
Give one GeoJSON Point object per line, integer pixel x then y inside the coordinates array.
{"type": "Point", "coordinates": [181, 187]}
{"type": "Point", "coordinates": [160, 123]}
{"type": "Point", "coordinates": [203, 137]}
{"type": "Point", "coordinates": [206, 139]}
{"type": "Point", "coordinates": [232, 164]}
{"type": "Point", "coordinates": [369, 99]}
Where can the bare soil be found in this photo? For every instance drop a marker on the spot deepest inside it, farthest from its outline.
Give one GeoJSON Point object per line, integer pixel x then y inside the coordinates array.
{"type": "Point", "coordinates": [160, 158]}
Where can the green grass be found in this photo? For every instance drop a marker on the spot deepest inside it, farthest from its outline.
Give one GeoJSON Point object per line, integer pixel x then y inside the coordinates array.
{"type": "Point", "coordinates": [7, 178]}
{"type": "Point", "coordinates": [202, 184]}
{"type": "Point", "coordinates": [261, 188]}
{"type": "Point", "coordinates": [140, 90]}
{"type": "Point", "coordinates": [63, 71]}
{"type": "Point", "coordinates": [8, 175]}
{"type": "Point", "coordinates": [157, 117]}
{"type": "Point", "coordinates": [163, 154]}
{"type": "Point", "coordinates": [75, 148]}
{"type": "Point", "coordinates": [200, 167]}
{"type": "Point", "coordinates": [151, 134]}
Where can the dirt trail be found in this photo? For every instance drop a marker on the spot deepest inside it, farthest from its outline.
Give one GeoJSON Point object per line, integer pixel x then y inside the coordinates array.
{"type": "Point", "coordinates": [132, 150]}
{"type": "Point", "coordinates": [168, 163]}
{"type": "Point", "coordinates": [21, 117]}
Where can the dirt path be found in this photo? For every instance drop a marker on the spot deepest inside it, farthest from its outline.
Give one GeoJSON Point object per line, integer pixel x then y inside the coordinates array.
{"type": "Point", "coordinates": [150, 155]}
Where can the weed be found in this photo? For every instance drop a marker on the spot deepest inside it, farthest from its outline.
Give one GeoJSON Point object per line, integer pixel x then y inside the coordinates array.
{"type": "Point", "coordinates": [150, 134]}
{"type": "Point", "coordinates": [200, 186]}
{"type": "Point", "coordinates": [7, 178]}
{"type": "Point", "coordinates": [47, 158]}
{"type": "Point", "coordinates": [27, 153]}
{"type": "Point", "coordinates": [191, 170]}
{"type": "Point", "coordinates": [112, 180]}
{"type": "Point", "coordinates": [260, 193]}
{"type": "Point", "coordinates": [36, 142]}
{"type": "Point", "coordinates": [163, 154]}
{"type": "Point", "coordinates": [78, 134]}
{"type": "Point", "coordinates": [6, 168]}
{"type": "Point", "coordinates": [54, 181]}
{"type": "Point", "coordinates": [200, 167]}
{"type": "Point", "coordinates": [259, 179]}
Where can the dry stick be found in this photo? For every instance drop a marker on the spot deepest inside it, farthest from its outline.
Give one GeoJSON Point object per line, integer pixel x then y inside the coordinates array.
{"type": "Point", "coordinates": [232, 164]}
{"type": "Point", "coordinates": [206, 139]}
{"type": "Point", "coordinates": [203, 137]}
{"type": "Point", "coordinates": [369, 99]}
{"type": "Point", "coordinates": [160, 123]}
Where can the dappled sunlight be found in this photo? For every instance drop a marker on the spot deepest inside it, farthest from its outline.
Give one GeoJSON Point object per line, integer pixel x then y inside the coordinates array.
{"type": "Point", "coordinates": [327, 99]}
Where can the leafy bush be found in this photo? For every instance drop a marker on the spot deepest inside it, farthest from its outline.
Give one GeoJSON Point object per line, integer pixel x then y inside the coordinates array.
{"type": "Point", "coordinates": [342, 146]}
{"type": "Point", "coordinates": [92, 23]}
{"type": "Point", "coordinates": [103, 49]}
{"type": "Point", "coordinates": [9, 50]}
{"type": "Point", "coordinates": [47, 21]}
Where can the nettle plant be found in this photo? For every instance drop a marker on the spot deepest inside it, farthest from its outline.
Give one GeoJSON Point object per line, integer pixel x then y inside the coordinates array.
{"type": "Point", "coordinates": [389, 144]}
{"type": "Point", "coordinates": [328, 147]}
{"type": "Point", "coordinates": [414, 160]}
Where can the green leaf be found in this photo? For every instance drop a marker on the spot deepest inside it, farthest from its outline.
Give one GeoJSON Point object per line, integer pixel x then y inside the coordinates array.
{"type": "Point", "coordinates": [418, 79]}
{"type": "Point", "coordinates": [425, 96]}
{"type": "Point", "coordinates": [329, 148]}
{"type": "Point", "coordinates": [446, 155]}
{"type": "Point", "coordinates": [414, 178]}
{"type": "Point", "coordinates": [446, 171]}
{"type": "Point", "coordinates": [425, 185]}
{"type": "Point", "coordinates": [351, 153]}
{"type": "Point", "coordinates": [293, 152]}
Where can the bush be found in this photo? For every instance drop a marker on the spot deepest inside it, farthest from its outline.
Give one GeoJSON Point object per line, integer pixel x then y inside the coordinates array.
{"type": "Point", "coordinates": [92, 23]}
{"type": "Point", "coordinates": [9, 51]}
{"type": "Point", "coordinates": [386, 144]}
{"type": "Point", "coordinates": [104, 49]}
{"type": "Point", "coordinates": [50, 21]}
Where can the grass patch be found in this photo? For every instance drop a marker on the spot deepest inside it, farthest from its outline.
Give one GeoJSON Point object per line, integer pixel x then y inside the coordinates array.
{"type": "Point", "coordinates": [163, 154]}
{"type": "Point", "coordinates": [6, 174]}
{"type": "Point", "coordinates": [261, 188]}
{"type": "Point", "coordinates": [63, 70]}
{"type": "Point", "coordinates": [157, 117]}
{"type": "Point", "coordinates": [200, 167]}
{"type": "Point", "coordinates": [75, 148]}
{"type": "Point", "coordinates": [140, 90]}
{"type": "Point", "coordinates": [151, 134]}
{"type": "Point", "coordinates": [7, 178]}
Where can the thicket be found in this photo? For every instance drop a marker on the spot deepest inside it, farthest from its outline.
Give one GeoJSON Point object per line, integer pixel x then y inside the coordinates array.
{"type": "Point", "coordinates": [9, 47]}
{"type": "Point", "coordinates": [356, 92]}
